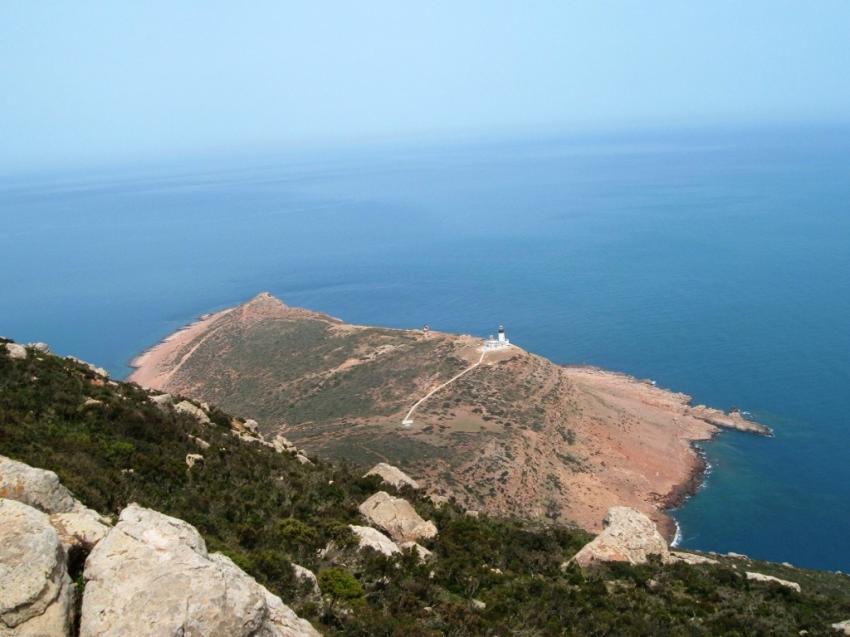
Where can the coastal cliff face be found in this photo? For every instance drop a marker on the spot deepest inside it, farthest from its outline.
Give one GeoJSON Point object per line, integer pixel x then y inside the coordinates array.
{"type": "Point", "coordinates": [515, 435]}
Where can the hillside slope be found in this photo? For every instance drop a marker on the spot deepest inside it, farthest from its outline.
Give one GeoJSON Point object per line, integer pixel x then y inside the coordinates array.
{"type": "Point", "coordinates": [112, 443]}
{"type": "Point", "coordinates": [515, 435]}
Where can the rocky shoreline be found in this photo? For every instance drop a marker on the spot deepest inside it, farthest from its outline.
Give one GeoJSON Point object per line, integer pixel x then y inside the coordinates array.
{"type": "Point", "coordinates": [734, 419]}
{"type": "Point", "coordinates": [682, 493]}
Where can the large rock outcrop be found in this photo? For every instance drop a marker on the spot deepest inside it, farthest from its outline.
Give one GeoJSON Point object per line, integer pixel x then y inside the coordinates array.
{"type": "Point", "coordinates": [627, 536]}
{"type": "Point", "coordinates": [421, 552]}
{"type": "Point", "coordinates": [761, 577]}
{"type": "Point", "coordinates": [392, 475]}
{"type": "Point", "coordinates": [83, 528]}
{"type": "Point", "coordinates": [36, 595]}
{"type": "Point", "coordinates": [367, 537]}
{"type": "Point", "coordinates": [39, 488]}
{"type": "Point", "coordinates": [163, 401]}
{"type": "Point", "coordinates": [281, 444]}
{"type": "Point", "coordinates": [151, 575]}
{"type": "Point", "coordinates": [99, 371]}
{"type": "Point", "coordinates": [733, 420]}
{"type": "Point", "coordinates": [307, 577]}
{"type": "Point", "coordinates": [185, 407]}
{"type": "Point", "coordinates": [690, 558]}
{"type": "Point", "coordinates": [13, 350]}
{"type": "Point", "coordinates": [397, 517]}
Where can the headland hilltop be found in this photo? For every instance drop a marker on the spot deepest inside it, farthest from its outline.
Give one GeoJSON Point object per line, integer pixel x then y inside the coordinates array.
{"type": "Point", "coordinates": [497, 428]}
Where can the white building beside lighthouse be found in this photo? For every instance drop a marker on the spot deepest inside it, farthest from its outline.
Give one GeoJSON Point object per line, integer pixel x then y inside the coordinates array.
{"type": "Point", "coordinates": [499, 342]}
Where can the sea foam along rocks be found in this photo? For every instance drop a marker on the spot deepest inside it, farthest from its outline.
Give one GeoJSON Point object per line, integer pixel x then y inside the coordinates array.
{"type": "Point", "coordinates": [36, 595]}
{"type": "Point", "coordinates": [397, 517]}
{"type": "Point", "coordinates": [628, 536]}
{"type": "Point", "coordinates": [392, 475]}
{"type": "Point", "coordinates": [151, 575]}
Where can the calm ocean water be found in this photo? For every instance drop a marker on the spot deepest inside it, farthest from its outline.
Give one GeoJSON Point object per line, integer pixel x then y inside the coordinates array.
{"type": "Point", "coordinates": [716, 264]}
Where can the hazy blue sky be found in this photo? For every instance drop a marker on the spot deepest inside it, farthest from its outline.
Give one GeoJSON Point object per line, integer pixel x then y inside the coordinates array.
{"type": "Point", "coordinates": [92, 81]}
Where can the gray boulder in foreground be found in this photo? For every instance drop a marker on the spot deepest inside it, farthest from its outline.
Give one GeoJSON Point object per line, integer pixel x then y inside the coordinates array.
{"type": "Point", "coordinates": [151, 575]}
{"type": "Point", "coordinates": [39, 488]}
{"type": "Point", "coordinates": [628, 536]}
{"type": "Point", "coordinates": [36, 595]}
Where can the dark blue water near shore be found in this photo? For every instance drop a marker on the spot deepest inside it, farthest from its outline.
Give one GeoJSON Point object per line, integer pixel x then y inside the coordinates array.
{"type": "Point", "coordinates": [716, 264]}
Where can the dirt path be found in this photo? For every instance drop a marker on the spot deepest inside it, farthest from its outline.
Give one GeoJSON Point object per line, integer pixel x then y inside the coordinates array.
{"type": "Point", "coordinates": [408, 420]}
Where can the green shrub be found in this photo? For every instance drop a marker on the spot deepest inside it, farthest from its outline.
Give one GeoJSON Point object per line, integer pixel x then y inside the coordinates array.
{"type": "Point", "coordinates": [340, 586]}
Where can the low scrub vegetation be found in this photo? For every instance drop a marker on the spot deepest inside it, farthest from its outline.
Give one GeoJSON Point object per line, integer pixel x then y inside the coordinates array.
{"type": "Point", "coordinates": [486, 576]}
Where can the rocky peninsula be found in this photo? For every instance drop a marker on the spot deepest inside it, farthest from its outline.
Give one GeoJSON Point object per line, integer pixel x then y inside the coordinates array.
{"type": "Point", "coordinates": [516, 435]}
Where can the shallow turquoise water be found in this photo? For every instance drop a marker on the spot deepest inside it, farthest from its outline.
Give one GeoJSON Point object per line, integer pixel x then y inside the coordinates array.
{"type": "Point", "coordinates": [716, 264]}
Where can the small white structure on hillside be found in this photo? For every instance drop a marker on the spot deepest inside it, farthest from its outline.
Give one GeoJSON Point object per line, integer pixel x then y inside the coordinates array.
{"type": "Point", "coordinates": [500, 342]}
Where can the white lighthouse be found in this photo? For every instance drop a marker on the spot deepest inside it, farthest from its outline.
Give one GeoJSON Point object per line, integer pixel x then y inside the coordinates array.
{"type": "Point", "coordinates": [500, 342]}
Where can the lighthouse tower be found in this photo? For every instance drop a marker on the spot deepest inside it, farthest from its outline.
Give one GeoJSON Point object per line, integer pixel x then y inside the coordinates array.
{"type": "Point", "coordinates": [500, 342]}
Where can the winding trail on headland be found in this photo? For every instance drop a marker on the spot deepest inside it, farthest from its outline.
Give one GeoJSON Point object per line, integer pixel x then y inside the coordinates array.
{"type": "Point", "coordinates": [406, 421]}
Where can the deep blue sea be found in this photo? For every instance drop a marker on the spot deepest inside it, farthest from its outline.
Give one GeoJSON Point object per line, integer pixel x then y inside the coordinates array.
{"type": "Point", "coordinates": [716, 263]}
